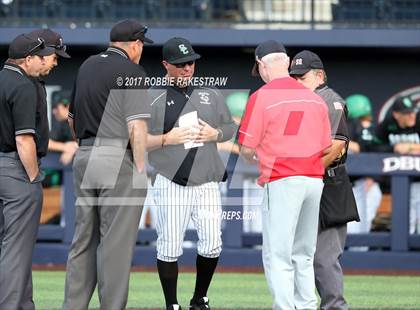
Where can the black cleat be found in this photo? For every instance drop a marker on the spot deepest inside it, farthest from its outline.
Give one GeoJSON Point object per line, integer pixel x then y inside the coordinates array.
{"type": "Point", "coordinates": [201, 304]}
{"type": "Point", "coordinates": [174, 307]}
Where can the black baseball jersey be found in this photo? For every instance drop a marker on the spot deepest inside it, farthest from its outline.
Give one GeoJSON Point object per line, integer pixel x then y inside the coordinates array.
{"type": "Point", "coordinates": [337, 113]}
{"type": "Point", "coordinates": [22, 109]}
{"type": "Point", "coordinates": [193, 166]}
{"type": "Point", "coordinates": [60, 131]}
{"type": "Point", "coordinates": [364, 136]}
{"type": "Point", "coordinates": [389, 133]}
{"type": "Point", "coordinates": [108, 93]}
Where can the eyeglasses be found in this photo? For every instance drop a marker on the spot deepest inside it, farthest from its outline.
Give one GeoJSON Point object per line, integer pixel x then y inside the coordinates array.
{"type": "Point", "coordinates": [182, 65]}
{"type": "Point", "coordinates": [39, 46]}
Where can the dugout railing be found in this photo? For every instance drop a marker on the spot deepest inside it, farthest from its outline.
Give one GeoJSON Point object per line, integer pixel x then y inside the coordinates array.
{"type": "Point", "coordinates": [396, 249]}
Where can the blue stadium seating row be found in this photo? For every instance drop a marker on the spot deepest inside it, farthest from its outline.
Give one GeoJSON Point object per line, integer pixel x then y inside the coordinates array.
{"type": "Point", "coordinates": [163, 11]}
{"type": "Point", "coordinates": [107, 9]}
{"type": "Point", "coordinates": [385, 11]}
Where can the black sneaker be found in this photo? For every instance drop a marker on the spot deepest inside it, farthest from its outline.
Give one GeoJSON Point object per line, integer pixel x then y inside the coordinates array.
{"type": "Point", "coordinates": [201, 304]}
{"type": "Point", "coordinates": [174, 307]}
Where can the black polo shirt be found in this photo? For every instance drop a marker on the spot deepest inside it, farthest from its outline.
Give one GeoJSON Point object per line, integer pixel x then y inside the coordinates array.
{"type": "Point", "coordinates": [193, 166]}
{"type": "Point", "coordinates": [21, 111]}
{"type": "Point", "coordinates": [108, 93]}
{"type": "Point", "coordinates": [390, 133]}
{"type": "Point", "coordinates": [42, 134]}
{"type": "Point", "coordinates": [337, 114]}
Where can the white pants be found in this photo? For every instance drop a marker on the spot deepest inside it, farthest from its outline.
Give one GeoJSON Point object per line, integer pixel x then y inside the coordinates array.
{"type": "Point", "coordinates": [252, 198]}
{"type": "Point", "coordinates": [290, 228]}
{"type": "Point", "coordinates": [149, 206]}
{"type": "Point", "coordinates": [415, 207]}
{"type": "Point", "coordinates": [176, 205]}
{"type": "Point", "coordinates": [367, 202]}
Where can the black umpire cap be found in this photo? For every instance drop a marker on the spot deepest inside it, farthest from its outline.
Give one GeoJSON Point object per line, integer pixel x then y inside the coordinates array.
{"type": "Point", "coordinates": [24, 45]}
{"type": "Point", "coordinates": [179, 50]}
{"type": "Point", "coordinates": [129, 30]}
{"type": "Point", "coordinates": [52, 39]}
{"type": "Point", "coordinates": [403, 105]}
{"type": "Point", "coordinates": [265, 48]}
{"type": "Point", "coordinates": [304, 62]}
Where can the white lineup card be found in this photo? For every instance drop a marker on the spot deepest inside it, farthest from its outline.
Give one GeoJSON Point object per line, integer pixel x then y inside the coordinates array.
{"type": "Point", "coordinates": [189, 120]}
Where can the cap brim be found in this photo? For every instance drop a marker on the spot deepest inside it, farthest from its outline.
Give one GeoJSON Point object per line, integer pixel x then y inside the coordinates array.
{"type": "Point", "coordinates": [254, 71]}
{"type": "Point", "coordinates": [301, 71]}
{"type": "Point", "coordinates": [62, 53]}
{"type": "Point", "coordinates": [147, 40]}
{"type": "Point", "coordinates": [47, 51]}
{"type": "Point", "coordinates": [185, 59]}
{"type": "Point", "coordinates": [407, 111]}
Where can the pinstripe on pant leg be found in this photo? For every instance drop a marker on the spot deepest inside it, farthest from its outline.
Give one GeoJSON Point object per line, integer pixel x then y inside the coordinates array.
{"type": "Point", "coordinates": [174, 209]}
{"type": "Point", "coordinates": [206, 217]}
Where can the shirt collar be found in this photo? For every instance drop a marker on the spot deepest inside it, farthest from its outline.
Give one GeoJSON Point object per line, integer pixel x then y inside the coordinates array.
{"type": "Point", "coordinates": [118, 50]}
{"type": "Point", "coordinates": [13, 67]}
{"type": "Point", "coordinates": [322, 86]}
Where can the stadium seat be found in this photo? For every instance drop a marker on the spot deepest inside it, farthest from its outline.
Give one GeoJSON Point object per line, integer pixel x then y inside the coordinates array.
{"type": "Point", "coordinates": [130, 9]}
{"type": "Point", "coordinates": [357, 10]}
{"type": "Point", "coordinates": [78, 9]}
{"type": "Point", "coordinates": [405, 11]}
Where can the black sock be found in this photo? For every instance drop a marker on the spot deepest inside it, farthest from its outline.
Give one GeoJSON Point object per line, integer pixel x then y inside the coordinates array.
{"type": "Point", "coordinates": [205, 270]}
{"type": "Point", "coordinates": [168, 275]}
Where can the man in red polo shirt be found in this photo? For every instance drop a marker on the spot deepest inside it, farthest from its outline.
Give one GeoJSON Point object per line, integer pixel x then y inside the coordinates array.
{"type": "Point", "coordinates": [287, 131]}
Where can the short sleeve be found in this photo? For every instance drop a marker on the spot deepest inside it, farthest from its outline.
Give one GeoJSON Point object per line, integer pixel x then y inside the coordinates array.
{"type": "Point", "coordinates": [252, 125]}
{"type": "Point", "coordinates": [24, 100]}
{"type": "Point", "coordinates": [157, 118]}
{"type": "Point", "coordinates": [326, 138]}
{"type": "Point", "coordinates": [71, 107]}
{"type": "Point", "coordinates": [338, 120]}
{"type": "Point", "coordinates": [136, 98]}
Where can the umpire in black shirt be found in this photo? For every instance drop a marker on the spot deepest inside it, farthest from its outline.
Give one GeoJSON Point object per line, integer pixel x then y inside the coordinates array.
{"type": "Point", "coordinates": [23, 141]}
{"type": "Point", "coordinates": [108, 113]}
{"type": "Point", "coordinates": [338, 206]}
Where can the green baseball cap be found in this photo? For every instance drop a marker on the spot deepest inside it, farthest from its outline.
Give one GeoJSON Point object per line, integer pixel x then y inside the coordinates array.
{"type": "Point", "coordinates": [358, 106]}
{"type": "Point", "coordinates": [61, 97]}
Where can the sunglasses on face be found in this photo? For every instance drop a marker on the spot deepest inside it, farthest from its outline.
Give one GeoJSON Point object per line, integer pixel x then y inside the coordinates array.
{"type": "Point", "coordinates": [182, 65]}
{"type": "Point", "coordinates": [39, 46]}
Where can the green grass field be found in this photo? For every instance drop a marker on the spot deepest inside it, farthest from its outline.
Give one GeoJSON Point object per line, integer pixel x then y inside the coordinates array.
{"type": "Point", "coordinates": [240, 291]}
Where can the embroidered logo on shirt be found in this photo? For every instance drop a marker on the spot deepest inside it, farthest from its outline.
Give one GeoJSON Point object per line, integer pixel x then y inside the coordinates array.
{"type": "Point", "coordinates": [204, 98]}
{"type": "Point", "coordinates": [170, 102]}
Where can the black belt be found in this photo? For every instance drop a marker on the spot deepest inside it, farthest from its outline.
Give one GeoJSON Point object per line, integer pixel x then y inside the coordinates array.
{"type": "Point", "coordinates": [95, 141]}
